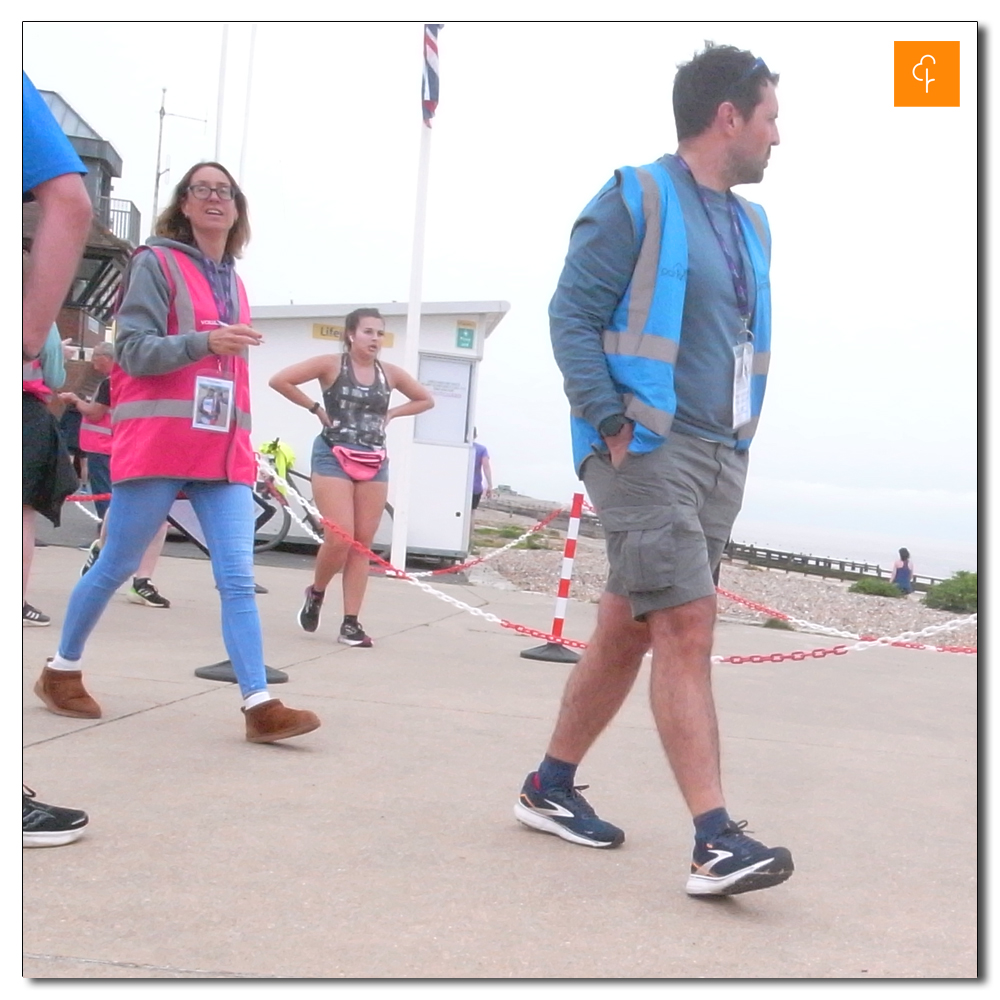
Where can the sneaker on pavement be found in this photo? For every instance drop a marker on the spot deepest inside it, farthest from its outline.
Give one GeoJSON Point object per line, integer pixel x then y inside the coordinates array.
{"type": "Point", "coordinates": [143, 592]}
{"type": "Point", "coordinates": [93, 551]}
{"type": "Point", "coordinates": [309, 612]}
{"type": "Point", "coordinates": [32, 617]}
{"type": "Point", "coordinates": [271, 721]}
{"type": "Point", "coordinates": [731, 862]}
{"type": "Point", "coordinates": [48, 826]}
{"type": "Point", "coordinates": [352, 634]}
{"type": "Point", "coordinates": [566, 813]}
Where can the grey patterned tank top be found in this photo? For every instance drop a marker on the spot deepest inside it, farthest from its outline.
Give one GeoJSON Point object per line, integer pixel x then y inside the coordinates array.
{"type": "Point", "coordinates": [357, 412]}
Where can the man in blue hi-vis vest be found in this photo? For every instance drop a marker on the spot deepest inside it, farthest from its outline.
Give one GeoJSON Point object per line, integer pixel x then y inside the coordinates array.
{"type": "Point", "coordinates": [661, 325]}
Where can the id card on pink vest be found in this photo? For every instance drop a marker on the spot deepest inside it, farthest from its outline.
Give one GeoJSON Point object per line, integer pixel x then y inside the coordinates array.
{"type": "Point", "coordinates": [213, 404]}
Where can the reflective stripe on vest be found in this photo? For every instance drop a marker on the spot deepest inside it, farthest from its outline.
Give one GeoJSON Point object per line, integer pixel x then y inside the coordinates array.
{"type": "Point", "coordinates": [95, 436]}
{"type": "Point", "coordinates": [168, 408]}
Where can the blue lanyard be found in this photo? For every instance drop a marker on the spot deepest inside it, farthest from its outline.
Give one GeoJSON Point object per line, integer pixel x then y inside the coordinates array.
{"type": "Point", "coordinates": [737, 270]}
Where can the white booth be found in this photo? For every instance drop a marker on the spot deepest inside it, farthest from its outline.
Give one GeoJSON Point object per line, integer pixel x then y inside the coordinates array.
{"type": "Point", "coordinates": [452, 337]}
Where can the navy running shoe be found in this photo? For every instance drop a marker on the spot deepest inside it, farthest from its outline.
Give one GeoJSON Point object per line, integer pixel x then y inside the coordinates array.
{"type": "Point", "coordinates": [566, 813]}
{"type": "Point", "coordinates": [732, 862]}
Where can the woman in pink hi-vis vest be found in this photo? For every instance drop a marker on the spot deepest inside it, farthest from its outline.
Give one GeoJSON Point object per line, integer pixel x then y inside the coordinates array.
{"type": "Point", "coordinates": [180, 398]}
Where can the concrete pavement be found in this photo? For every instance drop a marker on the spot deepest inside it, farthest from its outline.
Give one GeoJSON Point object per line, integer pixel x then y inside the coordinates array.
{"type": "Point", "coordinates": [383, 845]}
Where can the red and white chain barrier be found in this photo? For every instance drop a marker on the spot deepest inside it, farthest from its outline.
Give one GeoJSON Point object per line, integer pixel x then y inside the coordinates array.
{"type": "Point", "coordinates": [268, 469]}
{"type": "Point", "coordinates": [905, 639]}
{"type": "Point", "coordinates": [80, 499]}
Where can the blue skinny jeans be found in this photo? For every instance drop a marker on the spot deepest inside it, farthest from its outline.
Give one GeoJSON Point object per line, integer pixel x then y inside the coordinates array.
{"type": "Point", "coordinates": [138, 508]}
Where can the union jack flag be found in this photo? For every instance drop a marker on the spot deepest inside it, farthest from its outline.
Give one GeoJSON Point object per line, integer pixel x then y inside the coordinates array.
{"type": "Point", "coordinates": [430, 89]}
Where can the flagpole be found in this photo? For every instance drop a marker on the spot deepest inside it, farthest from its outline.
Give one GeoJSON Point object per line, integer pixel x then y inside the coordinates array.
{"type": "Point", "coordinates": [222, 90]}
{"type": "Point", "coordinates": [402, 457]}
{"type": "Point", "coordinates": [246, 105]}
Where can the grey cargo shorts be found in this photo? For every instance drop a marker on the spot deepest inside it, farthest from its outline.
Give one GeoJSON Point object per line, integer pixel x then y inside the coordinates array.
{"type": "Point", "coordinates": [667, 515]}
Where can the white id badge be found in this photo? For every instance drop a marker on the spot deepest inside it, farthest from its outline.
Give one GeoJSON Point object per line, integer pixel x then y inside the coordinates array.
{"type": "Point", "coordinates": [213, 404]}
{"type": "Point", "coordinates": [741, 384]}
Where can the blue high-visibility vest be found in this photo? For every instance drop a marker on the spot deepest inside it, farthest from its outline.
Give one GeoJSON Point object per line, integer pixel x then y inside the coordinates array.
{"type": "Point", "coordinates": [643, 337]}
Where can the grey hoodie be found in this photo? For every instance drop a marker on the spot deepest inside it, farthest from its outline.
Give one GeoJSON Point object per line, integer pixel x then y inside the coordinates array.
{"type": "Point", "coordinates": [142, 346]}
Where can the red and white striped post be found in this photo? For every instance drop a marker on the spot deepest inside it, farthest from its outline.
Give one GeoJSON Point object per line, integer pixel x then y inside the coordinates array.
{"type": "Point", "coordinates": [556, 652]}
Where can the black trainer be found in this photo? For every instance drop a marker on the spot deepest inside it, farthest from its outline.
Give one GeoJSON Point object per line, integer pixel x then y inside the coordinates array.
{"type": "Point", "coordinates": [567, 814]}
{"type": "Point", "coordinates": [309, 612]}
{"type": "Point", "coordinates": [352, 634]}
{"type": "Point", "coordinates": [31, 617]}
{"type": "Point", "coordinates": [731, 862]}
{"type": "Point", "coordinates": [93, 551]}
{"type": "Point", "coordinates": [143, 592]}
{"type": "Point", "coordinates": [48, 826]}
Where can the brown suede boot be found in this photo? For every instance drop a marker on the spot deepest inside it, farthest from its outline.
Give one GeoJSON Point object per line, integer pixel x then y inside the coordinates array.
{"type": "Point", "coordinates": [271, 721]}
{"type": "Point", "coordinates": [63, 693]}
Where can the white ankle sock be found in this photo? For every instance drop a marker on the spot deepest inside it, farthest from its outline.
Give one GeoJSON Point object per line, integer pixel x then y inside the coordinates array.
{"type": "Point", "coordinates": [58, 663]}
{"type": "Point", "coordinates": [257, 698]}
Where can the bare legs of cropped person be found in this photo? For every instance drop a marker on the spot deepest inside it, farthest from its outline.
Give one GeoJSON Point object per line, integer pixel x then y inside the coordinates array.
{"type": "Point", "coordinates": [357, 508]}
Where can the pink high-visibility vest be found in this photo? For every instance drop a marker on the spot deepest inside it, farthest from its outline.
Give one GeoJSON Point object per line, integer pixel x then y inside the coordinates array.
{"type": "Point", "coordinates": [152, 415]}
{"type": "Point", "coordinates": [95, 435]}
{"type": "Point", "coordinates": [31, 380]}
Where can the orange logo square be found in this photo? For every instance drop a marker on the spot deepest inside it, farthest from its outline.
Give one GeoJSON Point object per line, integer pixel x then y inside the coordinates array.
{"type": "Point", "coordinates": [925, 75]}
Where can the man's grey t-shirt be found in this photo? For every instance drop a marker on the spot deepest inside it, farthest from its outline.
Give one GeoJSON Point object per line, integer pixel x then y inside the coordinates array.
{"type": "Point", "coordinates": [602, 255]}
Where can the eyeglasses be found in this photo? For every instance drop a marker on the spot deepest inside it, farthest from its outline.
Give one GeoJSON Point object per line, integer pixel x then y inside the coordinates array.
{"type": "Point", "coordinates": [758, 64]}
{"type": "Point", "coordinates": [204, 191]}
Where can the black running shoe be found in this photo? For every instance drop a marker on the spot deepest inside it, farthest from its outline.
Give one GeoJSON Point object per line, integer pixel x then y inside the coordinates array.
{"type": "Point", "coordinates": [352, 634]}
{"type": "Point", "coordinates": [93, 551]}
{"type": "Point", "coordinates": [309, 613]}
{"type": "Point", "coordinates": [732, 862]}
{"type": "Point", "coordinates": [48, 826]}
{"type": "Point", "coordinates": [567, 814]}
{"type": "Point", "coordinates": [33, 618]}
{"type": "Point", "coordinates": [143, 592]}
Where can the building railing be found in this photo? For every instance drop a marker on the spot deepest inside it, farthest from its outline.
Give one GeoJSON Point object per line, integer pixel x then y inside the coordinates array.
{"type": "Point", "coordinates": [122, 218]}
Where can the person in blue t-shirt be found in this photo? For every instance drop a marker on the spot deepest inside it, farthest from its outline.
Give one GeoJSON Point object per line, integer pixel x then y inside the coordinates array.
{"type": "Point", "coordinates": [51, 177]}
{"type": "Point", "coordinates": [481, 469]}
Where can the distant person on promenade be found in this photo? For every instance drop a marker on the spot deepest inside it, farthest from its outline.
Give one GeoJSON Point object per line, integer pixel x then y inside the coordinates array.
{"type": "Point", "coordinates": [97, 440]}
{"type": "Point", "coordinates": [183, 325]}
{"type": "Point", "coordinates": [350, 470]}
{"type": "Point", "coordinates": [661, 325]}
{"type": "Point", "coordinates": [902, 572]}
{"type": "Point", "coordinates": [481, 470]}
{"type": "Point", "coordinates": [50, 176]}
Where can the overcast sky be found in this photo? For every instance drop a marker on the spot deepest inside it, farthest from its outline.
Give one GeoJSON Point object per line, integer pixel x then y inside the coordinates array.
{"type": "Point", "coordinates": [868, 439]}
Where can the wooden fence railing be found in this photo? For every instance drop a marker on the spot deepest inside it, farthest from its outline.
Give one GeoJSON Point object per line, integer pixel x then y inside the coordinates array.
{"type": "Point", "coordinates": [794, 562]}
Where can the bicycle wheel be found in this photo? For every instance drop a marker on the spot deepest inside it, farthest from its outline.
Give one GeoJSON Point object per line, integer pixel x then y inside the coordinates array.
{"type": "Point", "coordinates": [266, 542]}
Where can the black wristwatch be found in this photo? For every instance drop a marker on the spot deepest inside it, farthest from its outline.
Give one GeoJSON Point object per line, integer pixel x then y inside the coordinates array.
{"type": "Point", "coordinates": [314, 407]}
{"type": "Point", "coordinates": [610, 426]}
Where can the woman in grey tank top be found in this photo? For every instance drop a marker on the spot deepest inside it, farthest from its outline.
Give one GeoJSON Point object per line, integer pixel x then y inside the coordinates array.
{"type": "Point", "coordinates": [350, 473]}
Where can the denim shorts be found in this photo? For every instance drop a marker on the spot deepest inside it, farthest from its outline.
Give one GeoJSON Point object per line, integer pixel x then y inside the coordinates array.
{"type": "Point", "coordinates": [324, 463]}
{"type": "Point", "coordinates": [667, 515]}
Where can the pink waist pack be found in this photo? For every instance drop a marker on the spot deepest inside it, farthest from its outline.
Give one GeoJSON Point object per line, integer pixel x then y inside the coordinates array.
{"type": "Point", "coordinates": [360, 465]}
